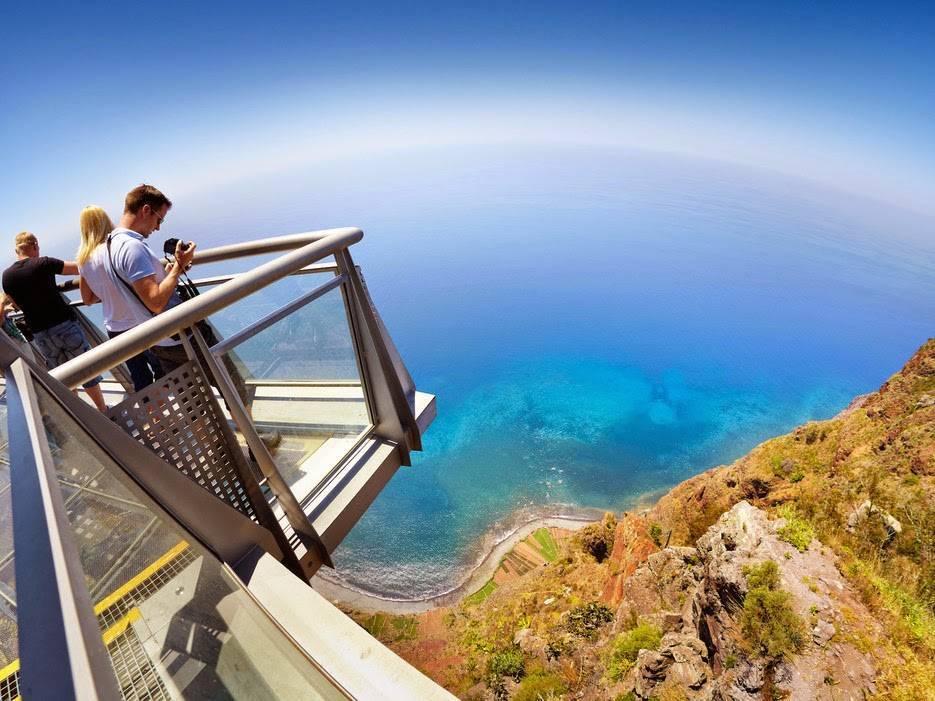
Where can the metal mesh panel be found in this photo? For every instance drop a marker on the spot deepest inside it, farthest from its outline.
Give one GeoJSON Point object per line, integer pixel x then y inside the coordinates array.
{"type": "Point", "coordinates": [178, 418]}
{"type": "Point", "coordinates": [136, 674]}
{"type": "Point", "coordinates": [9, 685]}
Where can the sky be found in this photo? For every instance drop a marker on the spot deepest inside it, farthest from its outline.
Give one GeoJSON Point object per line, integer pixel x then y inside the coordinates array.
{"type": "Point", "coordinates": [98, 97]}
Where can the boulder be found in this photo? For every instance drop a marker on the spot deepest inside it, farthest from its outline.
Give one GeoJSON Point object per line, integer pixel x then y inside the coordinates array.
{"type": "Point", "coordinates": [680, 661]}
{"type": "Point", "coordinates": [661, 590]}
{"type": "Point", "coordinates": [528, 641]}
{"type": "Point", "coordinates": [822, 632]}
{"type": "Point", "coordinates": [866, 510]}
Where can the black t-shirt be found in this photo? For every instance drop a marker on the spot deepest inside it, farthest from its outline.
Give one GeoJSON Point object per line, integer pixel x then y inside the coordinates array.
{"type": "Point", "coordinates": [31, 284]}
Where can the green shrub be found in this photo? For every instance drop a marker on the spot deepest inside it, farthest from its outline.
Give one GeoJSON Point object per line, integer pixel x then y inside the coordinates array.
{"type": "Point", "coordinates": [775, 464]}
{"type": "Point", "coordinates": [655, 532]}
{"type": "Point", "coordinates": [812, 433]}
{"type": "Point", "coordinates": [540, 686]}
{"type": "Point", "coordinates": [797, 476]}
{"type": "Point", "coordinates": [507, 663]}
{"type": "Point", "coordinates": [585, 620]}
{"type": "Point", "coordinates": [555, 648]}
{"type": "Point", "coordinates": [762, 576]}
{"type": "Point", "coordinates": [598, 538]}
{"type": "Point", "coordinates": [768, 623]}
{"type": "Point", "coordinates": [627, 646]}
{"type": "Point", "coordinates": [796, 531]}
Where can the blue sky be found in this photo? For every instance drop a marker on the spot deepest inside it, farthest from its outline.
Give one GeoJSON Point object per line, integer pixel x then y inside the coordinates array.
{"type": "Point", "coordinates": [99, 97]}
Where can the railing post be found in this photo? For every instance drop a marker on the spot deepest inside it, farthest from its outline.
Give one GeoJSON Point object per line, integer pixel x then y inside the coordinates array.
{"type": "Point", "coordinates": [61, 651]}
{"type": "Point", "coordinates": [293, 510]}
{"type": "Point", "coordinates": [264, 513]}
{"type": "Point", "coordinates": [395, 420]}
{"type": "Point", "coordinates": [95, 338]}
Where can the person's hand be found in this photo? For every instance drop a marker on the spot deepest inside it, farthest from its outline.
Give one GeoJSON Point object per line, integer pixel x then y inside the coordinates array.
{"type": "Point", "coordinates": [183, 256]}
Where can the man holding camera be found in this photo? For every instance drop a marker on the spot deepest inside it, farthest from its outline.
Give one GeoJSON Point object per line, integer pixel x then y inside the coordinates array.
{"type": "Point", "coordinates": [138, 284]}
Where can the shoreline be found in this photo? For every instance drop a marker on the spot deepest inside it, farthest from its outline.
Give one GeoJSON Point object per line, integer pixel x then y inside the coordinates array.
{"type": "Point", "coordinates": [340, 592]}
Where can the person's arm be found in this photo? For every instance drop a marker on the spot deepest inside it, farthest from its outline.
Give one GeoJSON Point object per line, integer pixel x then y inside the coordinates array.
{"type": "Point", "coordinates": [69, 267]}
{"type": "Point", "coordinates": [156, 295]}
{"type": "Point", "coordinates": [87, 294]}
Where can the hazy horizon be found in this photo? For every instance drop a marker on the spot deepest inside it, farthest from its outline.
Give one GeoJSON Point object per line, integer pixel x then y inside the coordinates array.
{"type": "Point", "coordinates": [98, 100]}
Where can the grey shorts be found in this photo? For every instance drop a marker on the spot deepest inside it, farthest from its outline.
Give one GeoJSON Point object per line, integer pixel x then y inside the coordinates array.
{"type": "Point", "coordinates": [63, 342]}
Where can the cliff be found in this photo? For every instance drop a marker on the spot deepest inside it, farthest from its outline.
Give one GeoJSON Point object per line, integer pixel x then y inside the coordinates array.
{"type": "Point", "coordinates": [806, 569]}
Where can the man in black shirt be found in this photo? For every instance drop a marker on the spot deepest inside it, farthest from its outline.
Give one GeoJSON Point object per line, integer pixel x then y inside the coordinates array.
{"type": "Point", "coordinates": [30, 283]}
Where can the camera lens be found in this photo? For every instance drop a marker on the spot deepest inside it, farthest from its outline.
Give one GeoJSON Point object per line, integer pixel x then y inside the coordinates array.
{"type": "Point", "coordinates": [169, 246]}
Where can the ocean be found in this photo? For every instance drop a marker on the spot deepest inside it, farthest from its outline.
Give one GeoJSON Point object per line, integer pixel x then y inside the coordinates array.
{"type": "Point", "coordinates": [598, 324]}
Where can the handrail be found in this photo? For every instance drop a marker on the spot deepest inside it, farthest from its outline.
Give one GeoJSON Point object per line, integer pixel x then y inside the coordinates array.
{"type": "Point", "coordinates": [257, 247]}
{"type": "Point", "coordinates": [312, 269]}
{"type": "Point", "coordinates": [261, 246]}
{"type": "Point", "coordinates": [317, 245]}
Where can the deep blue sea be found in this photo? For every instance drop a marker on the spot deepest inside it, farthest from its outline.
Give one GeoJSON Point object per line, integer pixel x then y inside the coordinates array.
{"type": "Point", "coordinates": [597, 324]}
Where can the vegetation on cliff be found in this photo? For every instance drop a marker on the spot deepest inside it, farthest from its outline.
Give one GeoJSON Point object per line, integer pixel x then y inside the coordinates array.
{"type": "Point", "coordinates": [881, 450]}
{"type": "Point", "coordinates": [805, 569]}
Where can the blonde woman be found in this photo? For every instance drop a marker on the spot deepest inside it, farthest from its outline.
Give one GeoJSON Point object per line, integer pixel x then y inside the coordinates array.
{"type": "Point", "coordinates": [99, 284]}
{"type": "Point", "coordinates": [95, 227]}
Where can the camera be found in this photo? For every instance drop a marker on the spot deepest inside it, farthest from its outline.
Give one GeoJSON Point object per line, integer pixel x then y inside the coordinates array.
{"type": "Point", "coordinates": [169, 246]}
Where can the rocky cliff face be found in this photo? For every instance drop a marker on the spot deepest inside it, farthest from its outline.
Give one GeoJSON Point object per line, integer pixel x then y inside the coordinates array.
{"type": "Point", "coordinates": [696, 595]}
{"type": "Point", "coordinates": [804, 570]}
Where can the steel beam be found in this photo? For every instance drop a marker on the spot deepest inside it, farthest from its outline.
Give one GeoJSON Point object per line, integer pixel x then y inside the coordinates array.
{"type": "Point", "coordinates": [394, 419]}
{"type": "Point", "coordinates": [55, 615]}
{"type": "Point", "coordinates": [290, 505]}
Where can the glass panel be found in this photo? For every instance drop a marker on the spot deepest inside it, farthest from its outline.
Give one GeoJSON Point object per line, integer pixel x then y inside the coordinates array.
{"type": "Point", "coordinates": [112, 389]}
{"type": "Point", "coordinates": [231, 319]}
{"type": "Point", "coordinates": [175, 623]}
{"type": "Point", "coordinates": [9, 638]}
{"type": "Point", "coordinates": [303, 386]}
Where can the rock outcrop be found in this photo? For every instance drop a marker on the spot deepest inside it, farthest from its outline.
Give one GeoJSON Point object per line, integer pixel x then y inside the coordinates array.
{"type": "Point", "coordinates": [632, 545]}
{"type": "Point", "coordinates": [868, 509]}
{"type": "Point", "coordinates": [696, 597]}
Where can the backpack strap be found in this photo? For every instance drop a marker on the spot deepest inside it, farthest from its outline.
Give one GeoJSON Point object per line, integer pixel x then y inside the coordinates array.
{"type": "Point", "coordinates": [126, 284]}
{"type": "Point", "coordinates": [110, 256]}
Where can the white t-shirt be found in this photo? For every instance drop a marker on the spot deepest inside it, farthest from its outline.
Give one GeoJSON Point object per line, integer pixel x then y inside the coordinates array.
{"type": "Point", "coordinates": [133, 260]}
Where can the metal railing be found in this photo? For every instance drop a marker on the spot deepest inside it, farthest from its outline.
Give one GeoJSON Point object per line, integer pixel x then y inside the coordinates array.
{"type": "Point", "coordinates": [387, 388]}
{"type": "Point", "coordinates": [312, 247]}
{"type": "Point", "coordinates": [233, 536]}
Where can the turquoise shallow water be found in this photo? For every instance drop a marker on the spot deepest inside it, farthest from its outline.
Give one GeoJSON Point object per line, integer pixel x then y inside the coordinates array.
{"type": "Point", "coordinates": [597, 324]}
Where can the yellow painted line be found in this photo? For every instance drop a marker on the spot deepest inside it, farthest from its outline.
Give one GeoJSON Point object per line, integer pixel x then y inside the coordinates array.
{"type": "Point", "coordinates": [120, 627]}
{"type": "Point", "coordinates": [10, 669]}
{"type": "Point", "coordinates": [145, 574]}
{"type": "Point", "coordinates": [109, 635]}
